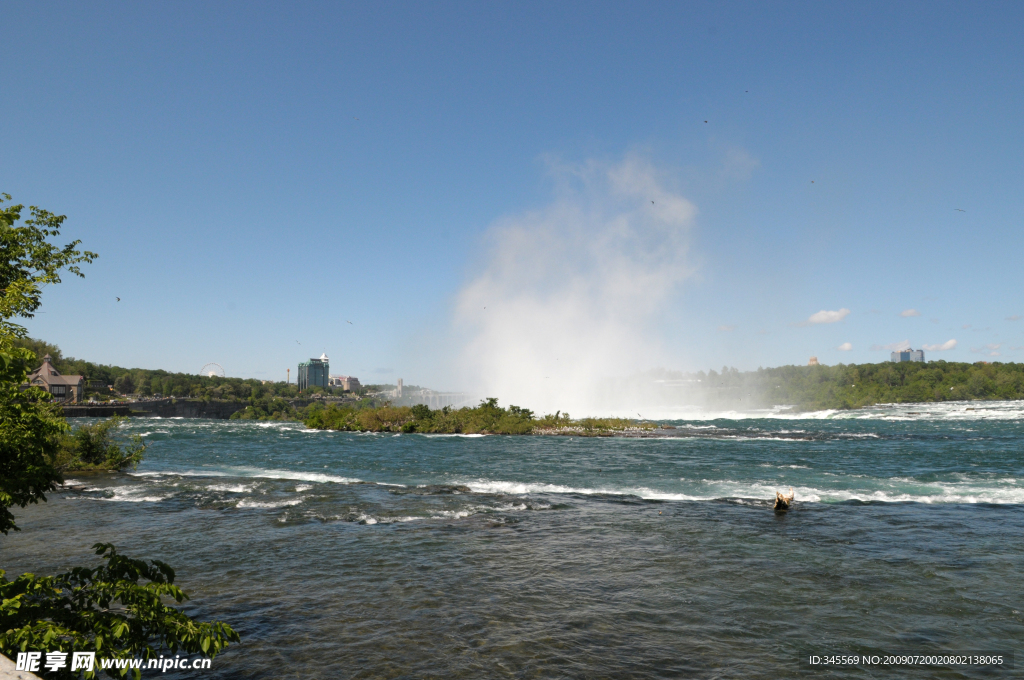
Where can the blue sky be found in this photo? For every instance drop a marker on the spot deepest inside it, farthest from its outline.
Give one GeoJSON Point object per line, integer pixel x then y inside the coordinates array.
{"type": "Point", "coordinates": [255, 175]}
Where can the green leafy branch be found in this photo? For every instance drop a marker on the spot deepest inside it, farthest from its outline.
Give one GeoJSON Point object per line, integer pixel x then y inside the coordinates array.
{"type": "Point", "coordinates": [106, 610]}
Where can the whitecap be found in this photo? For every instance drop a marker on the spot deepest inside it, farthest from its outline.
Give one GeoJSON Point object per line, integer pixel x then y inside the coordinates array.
{"type": "Point", "coordinates": [249, 503]}
{"type": "Point", "coordinates": [127, 494]}
{"type": "Point", "coordinates": [442, 434]}
{"type": "Point", "coordinates": [231, 488]}
{"type": "Point", "coordinates": [908, 491]}
{"type": "Point", "coordinates": [252, 472]}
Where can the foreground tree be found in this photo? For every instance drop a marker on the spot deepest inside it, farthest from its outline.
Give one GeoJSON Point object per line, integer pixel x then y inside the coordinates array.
{"type": "Point", "coordinates": [30, 426]}
{"type": "Point", "coordinates": [105, 610]}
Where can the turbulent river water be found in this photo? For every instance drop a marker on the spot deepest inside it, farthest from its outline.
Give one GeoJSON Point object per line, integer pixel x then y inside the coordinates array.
{"type": "Point", "coordinates": [342, 555]}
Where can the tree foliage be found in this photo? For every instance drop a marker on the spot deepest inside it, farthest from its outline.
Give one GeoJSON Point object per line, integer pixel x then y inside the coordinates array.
{"type": "Point", "coordinates": [30, 261]}
{"type": "Point", "coordinates": [857, 385]}
{"type": "Point", "coordinates": [30, 432]}
{"type": "Point", "coordinates": [845, 386]}
{"type": "Point", "coordinates": [125, 384]}
{"type": "Point", "coordinates": [104, 610]}
{"type": "Point", "coordinates": [30, 426]}
{"type": "Point", "coordinates": [95, 447]}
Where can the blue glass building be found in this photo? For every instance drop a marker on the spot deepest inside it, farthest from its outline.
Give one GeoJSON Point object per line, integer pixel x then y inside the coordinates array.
{"type": "Point", "coordinates": [314, 373]}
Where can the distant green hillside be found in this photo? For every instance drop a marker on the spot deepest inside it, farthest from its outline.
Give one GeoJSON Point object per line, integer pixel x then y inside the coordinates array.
{"type": "Point", "coordinates": [854, 385]}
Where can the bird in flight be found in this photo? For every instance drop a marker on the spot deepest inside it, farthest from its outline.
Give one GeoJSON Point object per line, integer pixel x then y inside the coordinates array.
{"type": "Point", "coordinates": [347, 321]}
{"type": "Point", "coordinates": [118, 299]}
{"type": "Point", "coordinates": [297, 342]}
{"type": "Point", "coordinates": [705, 121]}
{"type": "Point", "coordinates": [652, 202]}
{"type": "Point", "coordinates": [960, 209]}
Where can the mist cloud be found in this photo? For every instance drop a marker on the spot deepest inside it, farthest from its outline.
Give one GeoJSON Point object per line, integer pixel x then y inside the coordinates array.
{"type": "Point", "coordinates": [910, 312]}
{"type": "Point", "coordinates": [569, 294]}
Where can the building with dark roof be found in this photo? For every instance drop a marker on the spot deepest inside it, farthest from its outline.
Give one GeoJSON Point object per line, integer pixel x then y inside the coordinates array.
{"type": "Point", "coordinates": [67, 388]}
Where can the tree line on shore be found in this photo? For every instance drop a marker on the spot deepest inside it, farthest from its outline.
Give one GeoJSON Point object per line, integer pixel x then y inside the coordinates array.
{"type": "Point", "coordinates": [846, 386]}
{"type": "Point", "coordinates": [146, 382]}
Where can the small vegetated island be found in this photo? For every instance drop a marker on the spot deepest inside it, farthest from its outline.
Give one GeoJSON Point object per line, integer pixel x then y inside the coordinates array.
{"type": "Point", "coordinates": [487, 418]}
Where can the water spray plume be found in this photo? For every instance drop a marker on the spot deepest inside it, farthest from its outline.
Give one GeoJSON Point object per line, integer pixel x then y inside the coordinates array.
{"type": "Point", "coordinates": [569, 295]}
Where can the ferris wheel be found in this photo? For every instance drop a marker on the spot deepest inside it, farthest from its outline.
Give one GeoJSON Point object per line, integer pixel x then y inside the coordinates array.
{"type": "Point", "coordinates": [212, 370]}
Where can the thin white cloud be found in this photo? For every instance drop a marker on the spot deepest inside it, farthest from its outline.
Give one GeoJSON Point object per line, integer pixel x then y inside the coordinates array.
{"type": "Point", "coordinates": [989, 349]}
{"type": "Point", "coordinates": [949, 344]}
{"type": "Point", "coordinates": [893, 346]}
{"type": "Point", "coordinates": [910, 312]}
{"type": "Point", "coordinates": [727, 328]}
{"type": "Point", "coordinates": [738, 164]}
{"type": "Point", "coordinates": [845, 347]}
{"type": "Point", "coordinates": [826, 316]}
{"type": "Point", "coordinates": [1015, 317]}
{"type": "Point", "coordinates": [966, 326]}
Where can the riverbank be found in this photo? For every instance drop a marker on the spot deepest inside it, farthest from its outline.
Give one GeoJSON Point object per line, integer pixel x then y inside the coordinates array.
{"type": "Point", "coordinates": [172, 408]}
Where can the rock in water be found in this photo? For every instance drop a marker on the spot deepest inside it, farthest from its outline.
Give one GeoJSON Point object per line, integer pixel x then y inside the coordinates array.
{"type": "Point", "coordinates": [782, 503]}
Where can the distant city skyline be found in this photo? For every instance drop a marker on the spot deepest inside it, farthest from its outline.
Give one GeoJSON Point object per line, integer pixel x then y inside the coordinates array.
{"type": "Point", "coordinates": [445, 192]}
